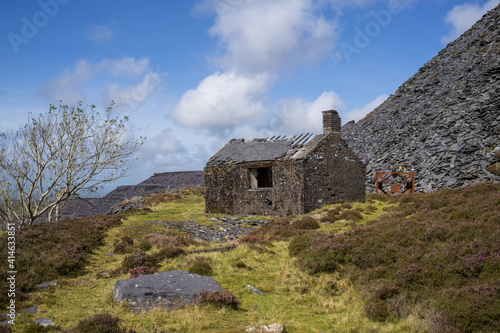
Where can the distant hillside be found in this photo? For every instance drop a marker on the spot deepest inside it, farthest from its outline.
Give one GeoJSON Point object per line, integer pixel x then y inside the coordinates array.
{"type": "Point", "coordinates": [157, 182]}
{"type": "Point", "coordinates": [444, 122]}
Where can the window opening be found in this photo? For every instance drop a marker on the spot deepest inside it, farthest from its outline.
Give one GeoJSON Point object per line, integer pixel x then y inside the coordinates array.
{"type": "Point", "coordinates": [261, 177]}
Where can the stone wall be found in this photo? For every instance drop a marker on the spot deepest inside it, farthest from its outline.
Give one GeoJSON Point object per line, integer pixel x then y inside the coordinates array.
{"type": "Point", "coordinates": [444, 122]}
{"type": "Point", "coordinates": [333, 174]}
{"type": "Point", "coordinates": [228, 190]}
{"type": "Point", "coordinates": [219, 184]}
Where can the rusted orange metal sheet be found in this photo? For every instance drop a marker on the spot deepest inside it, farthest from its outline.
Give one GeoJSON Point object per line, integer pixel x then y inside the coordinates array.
{"type": "Point", "coordinates": [395, 182]}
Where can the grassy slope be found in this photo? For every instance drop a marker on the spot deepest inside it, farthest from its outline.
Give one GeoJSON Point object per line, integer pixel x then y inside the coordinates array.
{"type": "Point", "coordinates": [302, 302]}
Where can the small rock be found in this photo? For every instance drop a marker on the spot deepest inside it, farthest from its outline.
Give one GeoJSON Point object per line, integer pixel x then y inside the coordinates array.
{"type": "Point", "coordinates": [44, 322]}
{"type": "Point", "coordinates": [255, 290]}
{"type": "Point", "coordinates": [31, 310]}
{"type": "Point", "coordinates": [46, 284]}
{"type": "Point", "coordinates": [273, 328]}
{"type": "Point", "coordinates": [109, 254]}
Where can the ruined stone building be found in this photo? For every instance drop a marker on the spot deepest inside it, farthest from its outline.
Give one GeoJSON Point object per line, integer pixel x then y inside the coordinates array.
{"type": "Point", "coordinates": [284, 176]}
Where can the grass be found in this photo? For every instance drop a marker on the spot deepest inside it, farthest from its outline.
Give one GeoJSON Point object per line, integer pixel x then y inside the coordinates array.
{"type": "Point", "coordinates": [338, 299]}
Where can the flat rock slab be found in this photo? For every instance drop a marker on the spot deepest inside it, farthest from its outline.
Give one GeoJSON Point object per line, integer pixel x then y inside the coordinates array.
{"type": "Point", "coordinates": [170, 290]}
{"type": "Point", "coordinates": [273, 328]}
{"type": "Point", "coordinates": [44, 322]}
{"type": "Point", "coordinates": [31, 310]}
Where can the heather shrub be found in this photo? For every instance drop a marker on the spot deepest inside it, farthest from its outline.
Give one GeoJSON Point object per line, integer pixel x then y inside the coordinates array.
{"type": "Point", "coordinates": [47, 251]}
{"type": "Point", "coordinates": [377, 310]}
{"type": "Point", "coordinates": [494, 168]}
{"type": "Point", "coordinates": [103, 323]}
{"type": "Point", "coordinates": [219, 299]}
{"type": "Point", "coordinates": [135, 272]}
{"type": "Point", "coordinates": [350, 215]}
{"type": "Point", "coordinates": [145, 245]}
{"type": "Point", "coordinates": [345, 205]}
{"type": "Point", "coordinates": [5, 329]}
{"type": "Point", "coordinates": [242, 265]}
{"type": "Point", "coordinates": [372, 197]}
{"type": "Point", "coordinates": [299, 244]}
{"type": "Point", "coordinates": [331, 215]}
{"type": "Point", "coordinates": [172, 240]}
{"type": "Point", "coordinates": [278, 230]}
{"type": "Point", "coordinates": [71, 261]}
{"type": "Point", "coordinates": [250, 239]}
{"type": "Point", "coordinates": [200, 265]}
{"type": "Point", "coordinates": [125, 245]}
{"type": "Point", "coordinates": [195, 190]}
{"type": "Point", "coordinates": [370, 209]}
{"type": "Point", "coordinates": [161, 197]}
{"type": "Point", "coordinates": [140, 259]}
{"type": "Point", "coordinates": [440, 247]}
{"type": "Point", "coordinates": [325, 254]}
{"type": "Point", "coordinates": [306, 223]}
{"type": "Point", "coordinates": [169, 252]}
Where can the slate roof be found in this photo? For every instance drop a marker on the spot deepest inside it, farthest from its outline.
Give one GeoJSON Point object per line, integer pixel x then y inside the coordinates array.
{"type": "Point", "coordinates": [257, 150]}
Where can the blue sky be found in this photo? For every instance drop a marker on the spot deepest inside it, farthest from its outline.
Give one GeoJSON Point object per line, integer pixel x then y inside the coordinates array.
{"type": "Point", "coordinates": [193, 74]}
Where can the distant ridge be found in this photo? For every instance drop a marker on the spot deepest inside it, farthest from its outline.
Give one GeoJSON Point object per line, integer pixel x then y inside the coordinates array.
{"type": "Point", "coordinates": [444, 122]}
{"type": "Point", "coordinates": [158, 182]}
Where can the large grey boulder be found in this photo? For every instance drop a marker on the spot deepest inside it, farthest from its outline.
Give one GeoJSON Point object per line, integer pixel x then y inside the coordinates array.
{"type": "Point", "coordinates": [170, 290]}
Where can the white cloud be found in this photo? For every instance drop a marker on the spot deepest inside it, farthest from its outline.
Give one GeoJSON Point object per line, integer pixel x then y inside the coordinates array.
{"type": "Point", "coordinates": [165, 143]}
{"type": "Point", "coordinates": [100, 34]}
{"type": "Point", "coordinates": [249, 132]}
{"type": "Point", "coordinates": [462, 17]}
{"type": "Point", "coordinates": [67, 86]}
{"type": "Point", "coordinates": [300, 116]}
{"type": "Point", "coordinates": [222, 101]}
{"type": "Point", "coordinates": [358, 114]}
{"type": "Point", "coordinates": [133, 96]}
{"type": "Point", "coordinates": [158, 149]}
{"type": "Point", "coordinates": [259, 38]}
{"type": "Point", "coordinates": [166, 152]}
{"type": "Point", "coordinates": [268, 35]}
{"type": "Point", "coordinates": [125, 67]}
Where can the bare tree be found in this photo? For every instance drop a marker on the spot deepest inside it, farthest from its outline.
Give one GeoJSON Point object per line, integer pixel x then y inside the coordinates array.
{"type": "Point", "coordinates": [67, 152]}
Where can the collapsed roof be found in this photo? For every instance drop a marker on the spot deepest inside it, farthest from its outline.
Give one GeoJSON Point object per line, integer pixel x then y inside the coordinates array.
{"type": "Point", "coordinates": [239, 151]}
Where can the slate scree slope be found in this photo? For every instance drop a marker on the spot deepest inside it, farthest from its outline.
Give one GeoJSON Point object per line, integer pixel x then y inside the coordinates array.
{"type": "Point", "coordinates": [444, 122]}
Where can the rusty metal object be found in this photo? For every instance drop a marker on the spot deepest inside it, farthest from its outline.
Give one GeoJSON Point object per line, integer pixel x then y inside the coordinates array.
{"type": "Point", "coordinates": [395, 182]}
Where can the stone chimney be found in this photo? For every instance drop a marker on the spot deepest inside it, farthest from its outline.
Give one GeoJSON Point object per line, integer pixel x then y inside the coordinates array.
{"type": "Point", "coordinates": [331, 122]}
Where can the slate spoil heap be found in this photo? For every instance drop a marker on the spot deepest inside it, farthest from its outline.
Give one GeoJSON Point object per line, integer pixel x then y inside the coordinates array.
{"type": "Point", "coordinates": [110, 203]}
{"type": "Point", "coordinates": [444, 122]}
